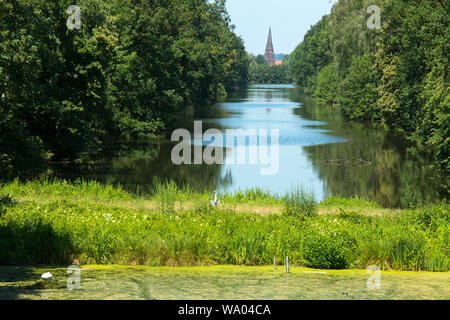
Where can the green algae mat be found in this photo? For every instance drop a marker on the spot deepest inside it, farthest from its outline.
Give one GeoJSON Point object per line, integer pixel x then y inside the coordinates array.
{"type": "Point", "coordinates": [218, 283]}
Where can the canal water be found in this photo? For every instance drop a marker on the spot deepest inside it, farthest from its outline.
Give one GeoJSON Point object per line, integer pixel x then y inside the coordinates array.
{"type": "Point", "coordinates": [318, 150]}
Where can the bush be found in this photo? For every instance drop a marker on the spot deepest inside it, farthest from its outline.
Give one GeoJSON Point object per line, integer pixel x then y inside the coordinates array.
{"type": "Point", "coordinates": [328, 247]}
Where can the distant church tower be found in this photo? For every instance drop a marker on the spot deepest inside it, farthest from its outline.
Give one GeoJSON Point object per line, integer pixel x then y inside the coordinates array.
{"type": "Point", "coordinates": [270, 57]}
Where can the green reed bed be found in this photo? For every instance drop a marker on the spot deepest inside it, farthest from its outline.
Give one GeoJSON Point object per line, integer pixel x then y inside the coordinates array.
{"type": "Point", "coordinates": [81, 222]}
{"type": "Point", "coordinates": [53, 188]}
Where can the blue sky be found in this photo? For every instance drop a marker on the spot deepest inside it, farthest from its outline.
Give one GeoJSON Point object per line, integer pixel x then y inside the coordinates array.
{"type": "Point", "coordinates": [290, 20]}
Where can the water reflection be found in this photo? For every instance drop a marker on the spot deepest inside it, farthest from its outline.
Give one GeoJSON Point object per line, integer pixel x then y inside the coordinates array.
{"type": "Point", "coordinates": [318, 149]}
{"type": "Point", "coordinates": [373, 163]}
{"type": "Point", "coordinates": [136, 165]}
{"type": "Point", "coordinates": [271, 107]}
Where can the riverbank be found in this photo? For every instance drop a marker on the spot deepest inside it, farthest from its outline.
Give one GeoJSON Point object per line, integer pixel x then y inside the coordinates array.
{"type": "Point", "coordinates": [219, 282]}
{"type": "Point", "coordinates": [60, 223]}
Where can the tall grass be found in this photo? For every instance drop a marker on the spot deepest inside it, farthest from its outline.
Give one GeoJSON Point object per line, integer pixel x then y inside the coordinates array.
{"type": "Point", "coordinates": [167, 194]}
{"type": "Point", "coordinates": [253, 194]}
{"type": "Point", "coordinates": [160, 189]}
{"type": "Point", "coordinates": [300, 202]}
{"type": "Point", "coordinates": [350, 202]}
{"type": "Point", "coordinates": [61, 230]}
{"type": "Point", "coordinates": [63, 188]}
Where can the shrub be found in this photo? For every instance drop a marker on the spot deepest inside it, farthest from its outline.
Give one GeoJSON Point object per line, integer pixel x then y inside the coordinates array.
{"type": "Point", "coordinates": [328, 246]}
{"type": "Point", "coordinates": [203, 206]}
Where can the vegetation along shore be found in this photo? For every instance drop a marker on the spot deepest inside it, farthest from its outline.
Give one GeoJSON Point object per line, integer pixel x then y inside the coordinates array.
{"type": "Point", "coordinates": [58, 222]}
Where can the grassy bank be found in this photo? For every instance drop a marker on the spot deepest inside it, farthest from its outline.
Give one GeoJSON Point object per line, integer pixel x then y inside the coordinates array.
{"type": "Point", "coordinates": [59, 223]}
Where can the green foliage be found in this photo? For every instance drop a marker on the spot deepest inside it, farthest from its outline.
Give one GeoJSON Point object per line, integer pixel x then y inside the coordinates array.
{"type": "Point", "coordinates": [167, 195]}
{"type": "Point", "coordinates": [397, 75]}
{"type": "Point", "coordinates": [300, 202]}
{"type": "Point", "coordinates": [4, 201]}
{"type": "Point", "coordinates": [349, 202]}
{"type": "Point", "coordinates": [34, 238]}
{"type": "Point", "coordinates": [395, 246]}
{"type": "Point", "coordinates": [311, 55]}
{"type": "Point", "coordinates": [438, 250]}
{"type": "Point", "coordinates": [328, 245]}
{"type": "Point", "coordinates": [56, 79]}
{"type": "Point", "coordinates": [131, 69]}
{"type": "Point", "coordinates": [326, 87]}
{"type": "Point", "coordinates": [360, 90]}
{"type": "Point", "coordinates": [263, 73]}
{"type": "Point", "coordinates": [252, 194]}
{"type": "Point", "coordinates": [97, 226]}
{"type": "Point", "coordinates": [431, 218]}
{"type": "Point", "coordinates": [414, 95]}
{"type": "Point", "coordinates": [20, 154]}
{"type": "Point", "coordinates": [260, 59]}
{"type": "Point", "coordinates": [54, 188]}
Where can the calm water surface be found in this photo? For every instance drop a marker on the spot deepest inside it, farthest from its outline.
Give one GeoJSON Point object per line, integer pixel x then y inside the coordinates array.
{"type": "Point", "coordinates": [318, 150]}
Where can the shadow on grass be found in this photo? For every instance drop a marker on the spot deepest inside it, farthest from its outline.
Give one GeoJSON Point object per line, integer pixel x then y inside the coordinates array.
{"type": "Point", "coordinates": [22, 282]}
{"type": "Point", "coordinates": [27, 242]}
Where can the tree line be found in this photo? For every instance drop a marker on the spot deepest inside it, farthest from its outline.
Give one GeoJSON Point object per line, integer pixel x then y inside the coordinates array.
{"type": "Point", "coordinates": [397, 75]}
{"type": "Point", "coordinates": [260, 72]}
{"type": "Point", "coordinates": [131, 69]}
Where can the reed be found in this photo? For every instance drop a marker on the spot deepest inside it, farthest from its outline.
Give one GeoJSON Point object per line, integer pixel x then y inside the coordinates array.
{"type": "Point", "coordinates": [300, 202]}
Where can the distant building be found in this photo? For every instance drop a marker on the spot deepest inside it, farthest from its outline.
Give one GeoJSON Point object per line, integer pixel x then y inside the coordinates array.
{"type": "Point", "coordinates": [279, 56]}
{"type": "Point", "coordinates": [270, 55]}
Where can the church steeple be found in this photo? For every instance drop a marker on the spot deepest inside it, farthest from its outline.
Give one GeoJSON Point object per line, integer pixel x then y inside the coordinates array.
{"type": "Point", "coordinates": [270, 56]}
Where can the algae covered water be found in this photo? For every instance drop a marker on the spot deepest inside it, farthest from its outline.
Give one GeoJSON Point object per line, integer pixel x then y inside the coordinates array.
{"type": "Point", "coordinates": [221, 283]}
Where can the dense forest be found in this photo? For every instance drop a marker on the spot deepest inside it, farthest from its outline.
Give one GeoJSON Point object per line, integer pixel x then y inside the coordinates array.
{"type": "Point", "coordinates": [397, 75]}
{"type": "Point", "coordinates": [130, 68]}
{"type": "Point", "coordinates": [133, 67]}
{"type": "Point", "coordinates": [260, 72]}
